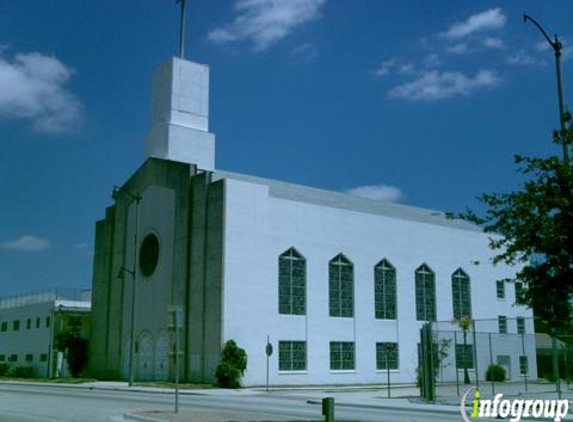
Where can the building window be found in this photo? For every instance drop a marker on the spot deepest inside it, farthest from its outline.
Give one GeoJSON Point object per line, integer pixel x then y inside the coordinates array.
{"type": "Point", "coordinates": [43, 357]}
{"type": "Point", "coordinates": [28, 323]}
{"type": "Point", "coordinates": [523, 365]}
{"type": "Point", "coordinates": [425, 294]}
{"type": "Point", "coordinates": [502, 323]}
{"type": "Point", "coordinates": [292, 356]}
{"type": "Point", "coordinates": [385, 290]}
{"type": "Point", "coordinates": [4, 326]}
{"type": "Point", "coordinates": [386, 356]}
{"type": "Point", "coordinates": [292, 283]}
{"type": "Point", "coordinates": [16, 325]}
{"type": "Point", "coordinates": [341, 287]}
{"type": "Point", "coordinates": [500, 289]}
{"type": "Point", "coordinates": [519, 293]}
{"type": "Point", "coordinates": [461, 294]}
{"type": "Point", "coordinates": [48, 322]}
{"type": "Point", "coordinates": [38, 322]}
{"type": "Point", "coordinates": [341, 355]}
{"type": "Point", "coordinates": [29, 357]}
{"type": "Point", "coordinates": [520, 325]}
{"type": "Point", "coordinates": [464, 356]}
{"type": "Point", "coordinates": [13, 358]}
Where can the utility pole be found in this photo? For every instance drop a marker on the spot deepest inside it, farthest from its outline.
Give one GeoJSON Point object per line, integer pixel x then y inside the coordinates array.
{"type": "Point", "coordinates": [557, 46]}
{"type": "Point", "coordinates": [137, 198]}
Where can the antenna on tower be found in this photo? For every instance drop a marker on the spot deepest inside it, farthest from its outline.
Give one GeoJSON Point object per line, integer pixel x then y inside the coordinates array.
{"type": "Point", "coordinates": [182, 29]}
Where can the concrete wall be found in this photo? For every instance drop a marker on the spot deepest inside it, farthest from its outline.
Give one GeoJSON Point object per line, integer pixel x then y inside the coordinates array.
{"type": "Point", "coordinates": [34, 340]}
{"type": "Point", "coordinates": [259, 227]}
{"type": "Point", "coordinates": [184, 211]}
{"type": "Point", "coordinates": [39, 324]}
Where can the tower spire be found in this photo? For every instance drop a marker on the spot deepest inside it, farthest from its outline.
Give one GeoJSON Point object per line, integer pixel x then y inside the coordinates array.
{"type": "Point", "coordinates": [182, 29]}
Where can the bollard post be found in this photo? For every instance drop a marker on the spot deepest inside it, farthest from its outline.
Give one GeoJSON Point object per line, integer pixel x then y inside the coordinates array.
{"type": "Point", "coordinates": [328, 409]}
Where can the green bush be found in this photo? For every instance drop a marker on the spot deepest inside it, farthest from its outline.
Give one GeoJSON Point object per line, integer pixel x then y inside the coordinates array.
{"type": "Point", "coordinates": [3, 369]}
{"type": "Point", "coordinates": [232, 366]}
{"type": "Point", "coordinates": [75, 346]}
{"type": "Point", "coordinates": [495, 373]}
{"type": "Point", "coordinates": [20, 372]}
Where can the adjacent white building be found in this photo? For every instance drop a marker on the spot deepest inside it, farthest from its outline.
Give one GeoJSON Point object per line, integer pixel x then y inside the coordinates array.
{"type": "Point", "coordinates": [341, 285]}
{"type": "Point", "coordinates": [30, 322]}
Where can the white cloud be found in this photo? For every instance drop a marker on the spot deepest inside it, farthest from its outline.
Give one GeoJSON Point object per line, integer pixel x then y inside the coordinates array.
{"type": "Point", "coordinates": [459, 48]}
{"type": "Point", "coordinates": [85, 248]}
{"type": "Point", "coordinates": [265, 22]}
{"type": "Point", "coordinates": [434, 85]}
{"type": "Point", "coordinates": [32, 88]}
{"type": "Point", "coordinates": [566, 51]}
{"type": "Point", "coordinates": [520, 58]}
{"type": "Point", "coordinates": [27, 243]}
{"type": "Point", "coordinates": [432, 60]}
{"type": "Point", "coordinates": [379, 192]}
{"type": "Point", "coordinates": [493, 42]}
{"type": "Point", "coordinates": [306, 52]}
{"type": "Point", "coordinates": [385, 67]}
{"type": "Point", "coordinates": [407, 68]}
{"type": "Point", "coordinates": [491, 19]}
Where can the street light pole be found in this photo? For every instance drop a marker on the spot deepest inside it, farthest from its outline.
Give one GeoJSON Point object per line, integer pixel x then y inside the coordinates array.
{"type": "Point", "coordinates": [137, 199]}
{"type": "Point", "coordinates": [557, 47]}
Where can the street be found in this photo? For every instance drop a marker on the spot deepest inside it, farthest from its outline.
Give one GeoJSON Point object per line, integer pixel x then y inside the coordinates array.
{"type": "Point", "coordinates": [21, 403]}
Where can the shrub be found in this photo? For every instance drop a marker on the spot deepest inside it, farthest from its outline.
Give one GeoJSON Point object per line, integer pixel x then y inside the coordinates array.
{"type": "Point", "coordinates": [495, 373]}
{"type": "Point", "coordinates": [232, 366]}
{"type": "Point", "coordinates": [20, 372]}
{"type": "Point", "coordinates": [75, 346]}
{"type": "Point", "coordinates": [3, 369]}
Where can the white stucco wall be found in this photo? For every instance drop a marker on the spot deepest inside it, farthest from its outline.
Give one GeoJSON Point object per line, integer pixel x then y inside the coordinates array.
{"type": "Point", "coordinates": [35, 341]}
{"type": "Point", "coordinates": [259, 227]}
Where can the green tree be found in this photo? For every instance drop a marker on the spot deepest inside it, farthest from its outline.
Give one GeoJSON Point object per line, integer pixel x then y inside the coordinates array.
{"type": "Point", "coordinates": [533, 227]}
{"type": "Point", "coordinates": [71, 342]}
{"type": "Point", "coordinates": [232, 366]}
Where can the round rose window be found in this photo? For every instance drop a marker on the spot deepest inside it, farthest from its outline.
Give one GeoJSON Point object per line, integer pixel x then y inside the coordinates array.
{"type": "Point", "coordinates": [149, 254]}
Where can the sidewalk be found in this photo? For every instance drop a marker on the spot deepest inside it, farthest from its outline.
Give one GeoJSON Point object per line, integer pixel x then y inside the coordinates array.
{"type": "Point", "coordinates": [372, 397]}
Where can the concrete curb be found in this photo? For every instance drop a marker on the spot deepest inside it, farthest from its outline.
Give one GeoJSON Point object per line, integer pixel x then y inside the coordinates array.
{"type": "Point", "coordinates": [149, 390]}
{"type": "Point", "coordinates": [406, 408]}
{"type": "Point", "coordinates": [132, 417]}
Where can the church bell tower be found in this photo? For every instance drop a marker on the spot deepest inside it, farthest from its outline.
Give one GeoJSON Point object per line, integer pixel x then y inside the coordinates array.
{"type": "Point", "coordinates": [180, 114]}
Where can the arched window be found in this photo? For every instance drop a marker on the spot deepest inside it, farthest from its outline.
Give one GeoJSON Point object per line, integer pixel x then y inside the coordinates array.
{"type": "Point", "coordinates": [385, 290]}
{"type": "Point", "coordinates": [425, 294]}
{"type": "Point", "coordinates": [461, 294]}
{"type": "Point", "coordinates": [341, 287]}
{"type": "Point", "coordinates": [292, 283]}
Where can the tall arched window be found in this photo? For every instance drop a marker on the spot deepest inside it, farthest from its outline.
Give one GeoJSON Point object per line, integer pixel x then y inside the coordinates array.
{"type": "Point", "coordinates": [292, 283]}
{"type": "Point", "coordinates": [341, 287]}
{"type": "Point", "coordinates": [385, 290]}
{"type": "Point", "coordinates": [425, 294]}
{"type": "Point", "coordinates": [461, 294]}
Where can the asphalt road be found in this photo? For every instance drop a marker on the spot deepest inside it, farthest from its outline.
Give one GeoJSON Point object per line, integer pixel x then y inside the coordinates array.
{"type": "Point", "coordinates": [61, 404]}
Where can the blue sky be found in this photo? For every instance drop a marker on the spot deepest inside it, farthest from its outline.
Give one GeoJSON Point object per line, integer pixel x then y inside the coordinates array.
{"type": "Point", "coordinates": [424, 103]}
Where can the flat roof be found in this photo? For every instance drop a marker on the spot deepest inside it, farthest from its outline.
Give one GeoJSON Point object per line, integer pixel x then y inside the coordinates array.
{"type": "Point", "coordinates": [323, 197]}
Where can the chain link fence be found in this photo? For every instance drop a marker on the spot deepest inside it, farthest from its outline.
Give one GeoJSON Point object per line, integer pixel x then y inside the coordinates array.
{"type": "Point", "coordinates": [502, 355]}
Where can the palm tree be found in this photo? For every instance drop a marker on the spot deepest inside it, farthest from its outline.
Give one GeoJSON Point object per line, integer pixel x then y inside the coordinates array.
{"type": "Point", "coordinates": [465, 322]}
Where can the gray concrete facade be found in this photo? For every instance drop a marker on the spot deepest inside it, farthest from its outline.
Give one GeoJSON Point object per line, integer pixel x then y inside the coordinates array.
{"type": "Point", "coordinates": [184, 210]}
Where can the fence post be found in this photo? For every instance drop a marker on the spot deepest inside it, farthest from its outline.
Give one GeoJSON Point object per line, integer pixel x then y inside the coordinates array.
{"type": "Point", "coordinates": [475, 351]}
{"type": "Point", "coordinates": [491, 363]}
{"type": "Point", "coordinates": [556, 366]}
{"type": "Point", "coordinates": [456, 363]}
{"type": "Point", "coordinates": [526, 369]}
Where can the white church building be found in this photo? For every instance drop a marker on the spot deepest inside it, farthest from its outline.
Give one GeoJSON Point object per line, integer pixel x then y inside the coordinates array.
{"type": "Point", "coordinates": [341, 285]}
